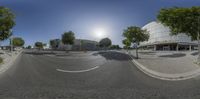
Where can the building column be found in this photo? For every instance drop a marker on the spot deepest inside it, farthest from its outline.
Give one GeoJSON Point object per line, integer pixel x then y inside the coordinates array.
{"type": "Point", "coordinates": [154, 48]}
{"type": "Point", "coordinates": [190, 47]}
{"type": "Point", "coordinates": [169, 47]}
{"type": "Point", "coordinates": [177, 47]}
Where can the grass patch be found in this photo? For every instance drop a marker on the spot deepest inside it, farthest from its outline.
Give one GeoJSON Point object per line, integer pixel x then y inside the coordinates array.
{"type": "Point", "coordinates": [1, 60]}
{"type": "Point", "coordinates": [196, 62]}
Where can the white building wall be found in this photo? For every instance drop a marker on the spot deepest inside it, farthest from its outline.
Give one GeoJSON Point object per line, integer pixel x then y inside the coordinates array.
{"type": "Point", "coordinates": [64, 47]}
{"type": "Point", "coordinates": [160, 33]}
{"type": "Point", "coordinates": [47, 46]}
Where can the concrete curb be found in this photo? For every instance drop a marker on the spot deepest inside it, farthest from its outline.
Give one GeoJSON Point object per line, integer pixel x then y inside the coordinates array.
{"type": "Point", "coordinates": [6, 66]}
{"type": "Point", "coordinates": [165, 76]}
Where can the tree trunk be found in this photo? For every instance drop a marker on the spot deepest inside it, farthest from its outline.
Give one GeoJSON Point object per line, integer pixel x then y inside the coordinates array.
{"type": "Point", "coordinates": [198, 59]}
{"type": "Point", "coordinates": [198, 35]}
{"type": "Point", "coordinates": [1, 50]}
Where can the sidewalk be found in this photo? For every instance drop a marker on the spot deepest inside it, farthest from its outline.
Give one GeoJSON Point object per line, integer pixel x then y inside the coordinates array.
{"type": "Point", "coordinates": [168, 65]}
{"type": "Point", "coordinates": [8, 59]}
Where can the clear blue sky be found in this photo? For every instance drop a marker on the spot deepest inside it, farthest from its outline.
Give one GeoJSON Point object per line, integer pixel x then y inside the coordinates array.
{"type": "Point", "coordinates": [41, 20]}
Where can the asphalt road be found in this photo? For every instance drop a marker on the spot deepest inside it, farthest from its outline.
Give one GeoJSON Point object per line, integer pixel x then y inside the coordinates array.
{"type": "Point", "coordinates": [103, 75]}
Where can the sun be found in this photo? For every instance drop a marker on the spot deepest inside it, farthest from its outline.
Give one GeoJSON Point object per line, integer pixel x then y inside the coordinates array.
{"type": "Point", "coordinates": [99, 32]}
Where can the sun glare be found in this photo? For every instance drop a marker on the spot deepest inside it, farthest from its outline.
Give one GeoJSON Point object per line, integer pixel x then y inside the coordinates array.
{"type": "Point", "coordinates": [99, 33]}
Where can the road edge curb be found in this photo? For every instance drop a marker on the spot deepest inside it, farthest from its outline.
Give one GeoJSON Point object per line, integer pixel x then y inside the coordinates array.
{"type": "Point", "coordinates": [164, 76]}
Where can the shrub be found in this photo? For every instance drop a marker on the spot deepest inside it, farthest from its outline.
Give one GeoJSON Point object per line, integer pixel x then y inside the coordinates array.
{"type": "Point", "coordinates": [1, 60]}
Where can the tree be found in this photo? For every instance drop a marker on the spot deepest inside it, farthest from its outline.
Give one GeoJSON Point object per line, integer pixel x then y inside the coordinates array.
{"type": "Point", "coordinates": [105, 42]}
{"type": "Point", "coordinates": [17, 41]}
{"type": "Point", "coordinates": [29, 47]}
{"type": "Point", "coordinates": [114, 47]}
{"type": "Point", "coordinates": [135, 35]}
{"type": "Point", "coordinates": [6, 23]}
{"type": "Point", "coordinates": [127, 44]}
{"type": "Point", "coordinates": [68, 38]}
{"type": "Point", "coordinates": [126, 47]}
{"type": "Point", "coordinates": [39, 45]}
{"type": "Point", "coordinates": [182, 20]}
{"type": "Point", "coordinates": [54, 43]}
{"type": "Point", "coordinates": [81, 44]}
{"type": "Point", "coordinates": [44, 45]}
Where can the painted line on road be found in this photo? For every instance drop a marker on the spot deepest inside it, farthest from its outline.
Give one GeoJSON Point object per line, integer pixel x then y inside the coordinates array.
{"type": "Point", "coordinates": [78, 71]}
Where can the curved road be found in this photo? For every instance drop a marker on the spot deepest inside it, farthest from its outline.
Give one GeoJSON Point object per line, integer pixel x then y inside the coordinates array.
{"type": "Point", "coordinates": [37, 77]}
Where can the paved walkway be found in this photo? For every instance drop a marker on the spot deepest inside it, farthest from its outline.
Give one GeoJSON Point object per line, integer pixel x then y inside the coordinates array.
{"type": "Point", "coordinates": [8, 59]}
{"type": "Point", "coordinates": [170, 63]}
{"type": "Point", "coordinates": [167, 65]}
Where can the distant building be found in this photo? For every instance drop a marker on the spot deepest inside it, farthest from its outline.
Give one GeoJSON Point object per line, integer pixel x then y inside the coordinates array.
{"type": "Point", "coordinates": [82, 44]}
{"type": "Point", "coordinates": [62, 46]}
{"type": "Point", "coordinates": [56, 43]}
{"type": "Point", "coordinates": [160, 39]}
{"type": "Point", "coordinates": [46, 46]}
{"type": "Point", "coordinates": [9, 47]}
{"type": "Point", "coordinates": [5, 47]}
{"type": "Point", "coordinates": [18, 48]}
{"type": "Point", "coordinates": [79, 44]}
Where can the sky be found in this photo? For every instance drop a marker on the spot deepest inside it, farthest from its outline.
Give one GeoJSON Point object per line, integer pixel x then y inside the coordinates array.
{"type": "Point", "coordinates": [42, 20]}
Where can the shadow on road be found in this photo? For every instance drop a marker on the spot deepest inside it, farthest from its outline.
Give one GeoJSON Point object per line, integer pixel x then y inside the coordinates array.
{"type": "Point", "coordinates": [148, 53]}
{"type": "Point", "coordinates": [113, 56]}
{"type": "Point", "coordinates": [174, 55]}
{"type": "Point", "coordinates": [39, 53]}
{"type": "Point", "coordinates": [195, 53]}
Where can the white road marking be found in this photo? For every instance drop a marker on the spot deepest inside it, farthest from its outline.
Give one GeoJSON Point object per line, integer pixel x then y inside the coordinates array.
{"type": "Point", "coordinates": [78, 71]}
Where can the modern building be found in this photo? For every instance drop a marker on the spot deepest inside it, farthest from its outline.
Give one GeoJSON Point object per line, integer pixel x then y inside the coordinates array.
{"type": "Point", "coordinates": [160, 39]}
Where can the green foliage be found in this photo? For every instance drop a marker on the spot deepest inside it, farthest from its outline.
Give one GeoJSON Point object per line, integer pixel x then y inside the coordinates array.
{"type": "Point", "coordinates": [82, 42]}
{"type": "Point", "coordinates": [68, 38]}
{"type": "Point", "coordinates": [1, 60]}
{"type": "Point", "coordinates": [105, 42]}
{"type": "Point", "coordinates": [29, 47]}
{"type": "Point", "coordinates": [126, 47]}
{"type": "Point", "coordinates": [44, 44]}
{"type": "Point", "coordinates": [39, 45]}
{"type": "Point", "coordinates": [54, 43]}
{"type": "Point", "coordinates": [127, 43]}
{"type": "Point", "coordinates": [81, 46]}
{"type": "Point", "coordinates": [17, 41]}
{"type": "Point", "coordinates": [135, 34]}
{"type": "Point", "coordinates": [6, 23]}
{"type": "Point", "coordinates": [181, 20]}
{"type": "Point", "coordinates": [114, 47]}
